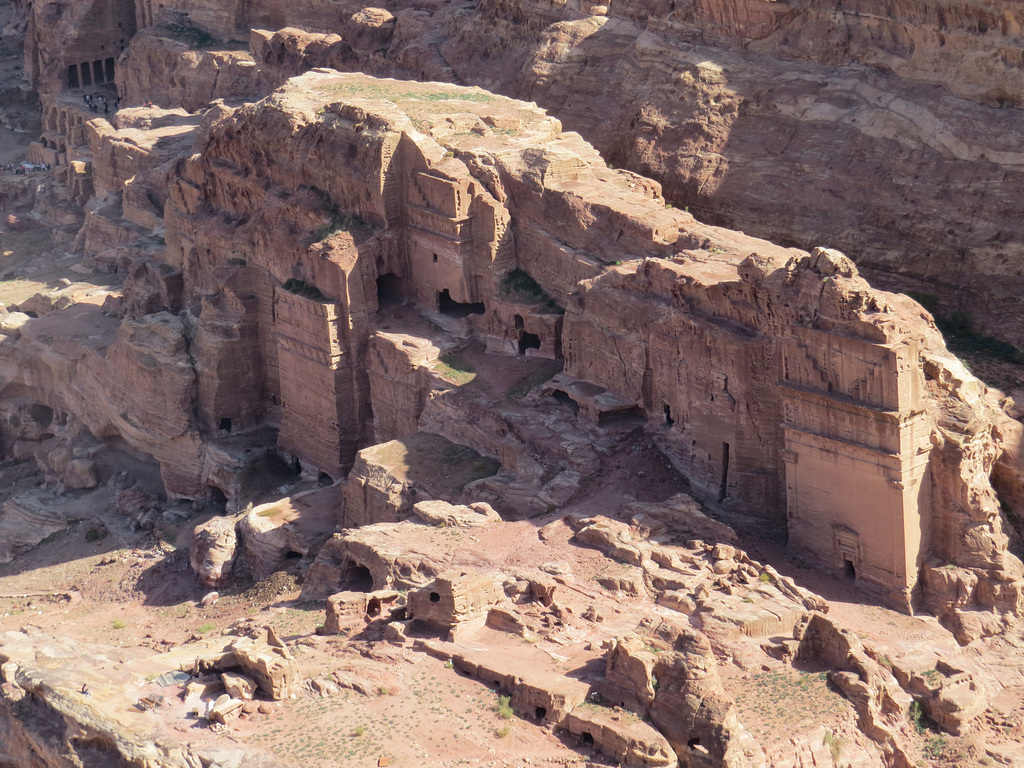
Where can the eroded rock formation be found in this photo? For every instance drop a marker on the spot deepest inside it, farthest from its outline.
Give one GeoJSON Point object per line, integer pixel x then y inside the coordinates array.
{"type": "Point", "coordinates": [445, 310]}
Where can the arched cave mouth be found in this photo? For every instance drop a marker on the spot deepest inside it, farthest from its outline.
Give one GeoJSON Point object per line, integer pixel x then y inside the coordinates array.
{"type": "Point", "coordinates": [528, 341]}
{"type": "Point", "coordinates": [448, 306]}
{"type": "Point", "coordinates": [389, 290]}
{"type": "Point", "coordinates": [41, 414]}
{"type": "Point", "coordinates": [216, 499]}
{"type": "Point", "coordinates": [357, 578]}
{"type": "Point", "coordinates": [563, 397]}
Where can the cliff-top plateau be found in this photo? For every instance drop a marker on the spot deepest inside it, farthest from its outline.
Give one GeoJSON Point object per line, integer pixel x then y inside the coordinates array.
{"type": "Point", "coordinates": [511, 383]}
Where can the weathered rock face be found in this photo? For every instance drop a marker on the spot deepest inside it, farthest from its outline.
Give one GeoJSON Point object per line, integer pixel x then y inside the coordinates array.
{"type": "Point", "coordinates": [75, 44]}
{"type": "Point", "coordinates": [778, 382]}
{"type": "Point", "coordinates": [215, 550]}
{"type": "Point", "coordinates": [698, 90]}
{"type": "Point", "coordinates": [25, 521]}
{"type": "Point", "coordinates": [270, 664]}
{"type": "Point", "coordinates": [46, 722]}
{"type": "Point", "coordinates": [171, 73]}
{"type": "Point", "coordinates": [455, 602]}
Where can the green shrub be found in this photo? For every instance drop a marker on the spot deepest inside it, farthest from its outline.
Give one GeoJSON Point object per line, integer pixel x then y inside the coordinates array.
{"type": "Point", "coordinates": [302, 288]}
{"type": "Point", "coordinates": [926, 300]}
{"type": "Point", "coordinates": [834, 744]}
{"type": "Point", "coordinates": [193, 37]}
{"type": "Point", "coordinates": [505, 711]}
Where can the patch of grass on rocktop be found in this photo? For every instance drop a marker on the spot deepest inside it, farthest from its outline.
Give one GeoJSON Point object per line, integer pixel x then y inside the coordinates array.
{"type": "Point", "coordinates": [454, 369]}
{"type": "Point", "coordinates": [302, 288]}
{"type": "Point", "coordinates": [193, 37]}
{"type": "Point", "coordinates": [534, 379]}
{"type": "Point", "coordinates": [774, 701]}
{"type": "Point", "coordinates": [519, 286]}
{"type": "Point", "coordinates": [207, 627]}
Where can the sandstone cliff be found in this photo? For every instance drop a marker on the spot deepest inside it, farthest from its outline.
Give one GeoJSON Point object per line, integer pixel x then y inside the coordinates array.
{"type": "Point", "coordinates": [886, 130]}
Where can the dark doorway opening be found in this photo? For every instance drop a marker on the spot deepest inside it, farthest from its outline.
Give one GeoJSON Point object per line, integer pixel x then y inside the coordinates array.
{"type": "Point", "coordinates": [669, 421]}
{"type": "Point", "coordinates": [73, 76]}
{"type": "Point", "coordinates": [323, 480]}
{"type": "Point", "coordinates": [564, 399]}
{"type": "Point", "coordinates": [293, 555]}
{"type": "Point", "coordinates": [86, 74]}
{"type": "Point", "coordinates": [541, 713]}
{"type": "Point", "coordinates": [41, 414]}
{"type": "Point", "coordinates": [108, 64]}
{"type": "Point", "coordinates": [528, 341]}
{"type": "Point", "coordinates": [358, 578]}
{"type": "Point", "coordinates": [617, 417]}
{"type": "Point", "coordinates": [225, 425]}
{"type": "Point", "coordinates": [295, 466]}
{"type": "Point", "coordinates": [723, 490]}
{"type": "Point", "coordinates": [452, 308]}
{"type": "Point", "coordinates": [587, 738]}
{"type": "Point", "coordinates": [517, 321]}
{"type": "Point", "coordinates": [97, 71]}
{"type": "Point", "coordinates": [435, 597]}
{"type": "Point", "coordinates": [216, 498]}
{"type": "Point", "coordinates": [849, 569]}
{"type": "Point", "coordinates": [389, 290]}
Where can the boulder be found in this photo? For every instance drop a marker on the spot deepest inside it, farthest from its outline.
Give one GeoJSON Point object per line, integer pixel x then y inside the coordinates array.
{"type": "Point", "coordinates": [270, 666]}
{"type": "Point", "coordinates": [214, 551]}
{"type": "Point", "coordinates": [224, 709]}
{"type": "Point", "coordinates": [238, 686]}
{"type": "Point", "coordinates": [81, 474]}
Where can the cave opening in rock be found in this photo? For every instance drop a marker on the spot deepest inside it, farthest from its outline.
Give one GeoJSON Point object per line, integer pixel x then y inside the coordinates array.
{"type": "Point", "coordinates": [669, 421]}
{"type": "Point", "coordinates": [435, 597]}
{"type": "Point", "coordinates": [541, 712]}
{"type": "Point", "coordinates": [41, 414]}
{"type": "Point", "coordinates": [528, 341]}
{"type": "Point", "coordinates": [72, 76]}
{"type": "Point", "coordinates": [448, 306]}
{"type": "Point", "coordinates": [225, 425]}
{"type": "Point", "coordinates": [563, 397]}
{"type": "Point", "coordinates": [357, 578]}
{"type": "Point", "coordinates": [216, 498]}
{"type": "Point", "coordinates": [324, 480]}
{"type": "Point", "coordinates": [389, 290]}
{"type": "Point", "coordinates": [609, 418]}
{"type": "Point", "coordinates": [849, 570]}
{"type": "Point", "coordinates": [587, 738]}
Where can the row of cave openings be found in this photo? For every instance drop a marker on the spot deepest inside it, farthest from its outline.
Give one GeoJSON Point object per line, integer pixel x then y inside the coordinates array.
{"type": "Point", "coordinates": [390, 293]}
{"type": "Point", "coordinates": [88, 74]}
